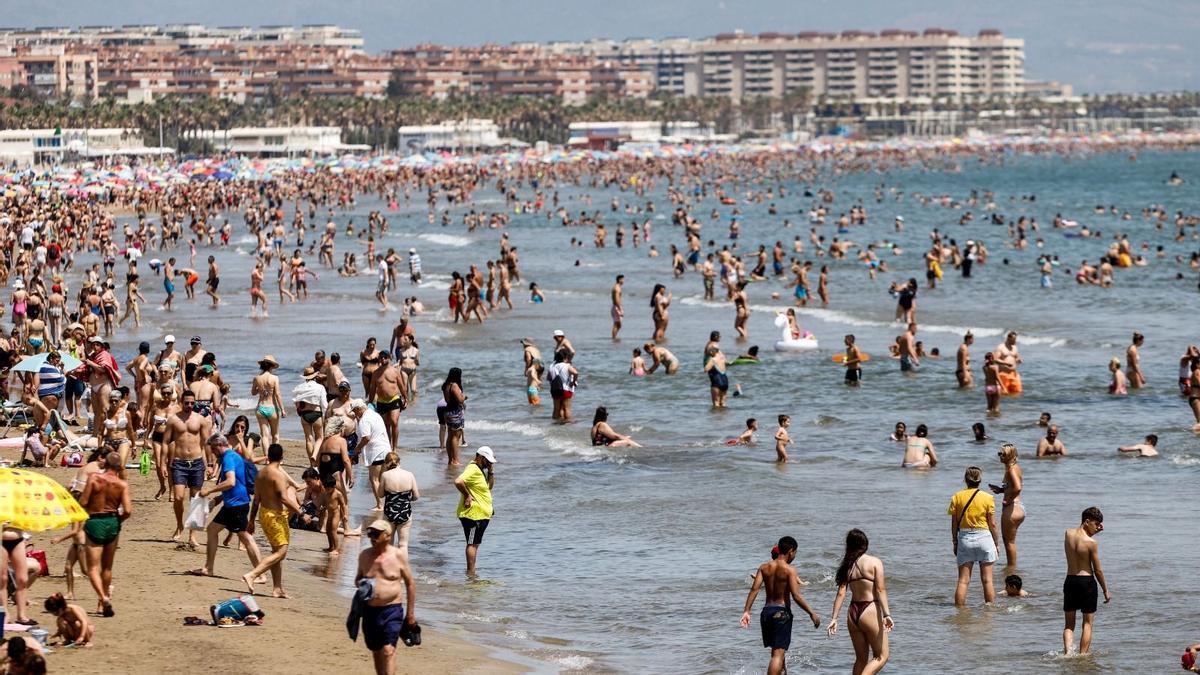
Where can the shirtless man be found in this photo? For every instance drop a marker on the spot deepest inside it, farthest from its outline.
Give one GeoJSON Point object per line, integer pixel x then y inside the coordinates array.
{"type": "Point", "coordinates": [169, 283]}
{"type": "Point", "coordinates": [963, 372]}
{"type": "Point", "coordinates": [907, 345]}
{"type": "Point", "coordinates": [144, 376]}
{"type": "Point", "coordinates": [1050, 445]}
{"type": "Point", "coordinates": [1008, 359]}
{"type": "Point", "coordinates": [1133, 362]}
{"type": "Point", "coordinates": [274, 498]}
{"type": "Point", "coordinates": [618, 311]}
{"type": "Point", "coordinates": [106, 499]}
{"type": "Point", "coordinates": [186, 453]}
{"type": "Point", "coordinates": [383, 616]}
{"type": "Point", "coordinates": [213, 281]}
{"type": "Point", "coordinates": [387, 390]}
{"type": "Point", "coordinates": [783, 586]}
{"type": "Point", "coordinates": [1083, 571]}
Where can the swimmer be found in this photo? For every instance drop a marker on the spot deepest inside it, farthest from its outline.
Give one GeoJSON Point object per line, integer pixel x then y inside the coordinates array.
{"type": "Point", "coordinates": [747, 437]}
{"type": "Point", "coordinates": [603, 434]}
{"type": "Point", "coordinates": [1044, 420]}
{"type": "Point", "coordinates": [782, 440]}
{"type": "Point", "coordinates": [979, 432]}
{"type": "Point", "coordinates": [1013, 587]}
{"type": "Point", "coordinates": [1133, 362]}
{"type": "Point", "coordinates": [918, 451]}
{"type": "Point", "coordinates": [900, 434]}
{"type": "Point", "coordinates": [852, 362]}
{"type": "Point", "coordinates": [1050, 445]}
{"type": "Point", "coordinates": [1147, 448]}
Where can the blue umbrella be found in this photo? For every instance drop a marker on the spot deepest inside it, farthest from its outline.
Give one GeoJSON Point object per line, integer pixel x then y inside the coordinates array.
{"type": "Point", "coordinates": [33, 364]}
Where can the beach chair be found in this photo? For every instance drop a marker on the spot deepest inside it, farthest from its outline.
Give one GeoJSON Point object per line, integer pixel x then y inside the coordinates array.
{"type": "Point", "coordinates": [15, 414]}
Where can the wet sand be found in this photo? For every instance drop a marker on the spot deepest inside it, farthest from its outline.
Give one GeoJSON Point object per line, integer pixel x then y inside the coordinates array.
{"type": "Point", "coordinates": [304, 633]}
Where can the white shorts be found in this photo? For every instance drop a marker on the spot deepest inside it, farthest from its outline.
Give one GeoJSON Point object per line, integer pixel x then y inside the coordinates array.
{"type": "Point", "coordinates": [976, 546]}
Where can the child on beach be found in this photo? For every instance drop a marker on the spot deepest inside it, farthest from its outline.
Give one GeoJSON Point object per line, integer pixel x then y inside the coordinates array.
{"type": "Point", "coordinates": [747, 437]}
{"type": "Point", "coordinates": [535, 294]}
{"type": "Point", "coordinates": [73, 624]}
{"type": "Point", "coordinates": [637, 364]}
{"type": "Point", "coordinates": [533, 381]}
{"type": "Point", "coordinates": [782, 440]}
{"type": "Point", "coordinates": [73, 555]}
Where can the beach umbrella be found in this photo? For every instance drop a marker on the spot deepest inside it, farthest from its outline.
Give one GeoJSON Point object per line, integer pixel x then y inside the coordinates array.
{"type": "Point", "coordinates": [34, 363]}
{"type": "Point", "coordinates": [35, 502]}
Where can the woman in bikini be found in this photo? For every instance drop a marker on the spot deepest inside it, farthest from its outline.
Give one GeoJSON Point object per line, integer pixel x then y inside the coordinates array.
{"type": "Point", "coordinates": [1119, 386]}
{"type": "Point", "coordinates": [256, 291]}
{"type": "Point", "coordinates": [164, 405]}
{"type": "Point", "coordinates": [603, 434]}
{"type": "Point", "coordinates": [918, 450]}
{"type": "Point", "coordinates": [660, 300]}
{"type": "Point", "coordinates": [270, 410]}
{"type": "Point", "coordinates": [410, 358]}
{"type": "Point", "coordinates": [169, 358]}
{"type": "Point", "coordinates": [117, 432]}
{"type": "Point", "coordinates": [133, 298]}
{"type": "Point", "coordinates": [1013, 512]}
{"type": "Point", "coordinates": [369, 359]}
{"type": "Point", "coordinates": [869, 618]}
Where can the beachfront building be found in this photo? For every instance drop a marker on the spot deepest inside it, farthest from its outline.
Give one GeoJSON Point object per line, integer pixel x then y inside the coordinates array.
{"type": "Point", "coordinates": [29, 146]}
{"type": "Point", "coordinates": [610, 135]}
{"type": "Point", "coordinates": [455, 136]}
{"type": "Point", "coordinates": [51, 71]}
{"type": "Point", "coordinates": [896, 64]}
{"type": "Point", "coordinates": [279, 141]}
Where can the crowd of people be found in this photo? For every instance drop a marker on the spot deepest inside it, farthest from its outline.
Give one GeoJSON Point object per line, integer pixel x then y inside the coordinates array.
{"type": "Point", "coordinates": [175, 416]}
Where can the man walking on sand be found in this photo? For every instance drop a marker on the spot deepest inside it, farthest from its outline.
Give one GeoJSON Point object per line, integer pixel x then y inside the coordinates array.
{"type": "Point", "coordinates": [783, 586]}
{"type": "Point", "coordinates": [1083, 571]}
{"type": "Point", "coordinates": [235, 510]}
{"type": "Point", "coordinates": [475, 504]}
{"type": "Point", "coordinates": [186, 455]}
{"type": "Point", "coordinates": [274, 499]}
{"type": "Point", "coordinates": [383, 614]}
{"type": "Point", "coordinates": [106, 499]}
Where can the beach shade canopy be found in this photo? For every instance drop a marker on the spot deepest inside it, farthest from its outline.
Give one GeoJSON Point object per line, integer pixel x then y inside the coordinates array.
{"type": "Point", "coordinates": [34, 363]}
{"type": "Point", "coordinates": [35, 502]}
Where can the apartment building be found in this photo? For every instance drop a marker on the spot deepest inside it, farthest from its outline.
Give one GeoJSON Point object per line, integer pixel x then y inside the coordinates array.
{"type": "Point", "coordinates": [185, 36]}
{"type": "Point", "coordinates": [519, 70]}
{"type": "Point", "coordinates": [896, 64]}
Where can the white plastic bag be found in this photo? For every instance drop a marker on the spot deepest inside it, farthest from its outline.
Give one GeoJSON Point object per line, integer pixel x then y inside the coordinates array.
{"type": "Point", "coordinates": [197, 515]}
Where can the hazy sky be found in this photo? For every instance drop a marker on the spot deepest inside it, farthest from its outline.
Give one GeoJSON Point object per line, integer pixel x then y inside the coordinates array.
{"type": "Point", "coordinates": [1096, 45]}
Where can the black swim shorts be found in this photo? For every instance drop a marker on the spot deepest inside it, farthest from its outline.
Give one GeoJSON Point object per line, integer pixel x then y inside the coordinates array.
{"type": "Point", "coordinates": [776, 623]}
{"type": "Point", "coordinates": [1080, 594]}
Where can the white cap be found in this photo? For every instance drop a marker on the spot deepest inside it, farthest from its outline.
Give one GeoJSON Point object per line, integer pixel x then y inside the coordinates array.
{"type": "Point", "coordinates": [168, 339]}
{"type": "Point", "coordinates": [559, 333]}
{"type": "Point", "coordinates": [900, 218]}
{"type": "Point", "coordinates": [486, 453]}
{"type": "Point", "coordinates": [412, 250]}
{"type": "Point", "coordinates": [358, 404]}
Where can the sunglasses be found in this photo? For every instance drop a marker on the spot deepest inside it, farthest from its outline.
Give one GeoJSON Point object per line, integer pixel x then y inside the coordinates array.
{"type": "Point", "coordinates": [372, 534]}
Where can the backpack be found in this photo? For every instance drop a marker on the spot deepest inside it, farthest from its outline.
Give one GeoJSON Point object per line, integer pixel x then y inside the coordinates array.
{"type": "Point", "coordinates": [249, 475]}
{"type": "Point", "coordinates": [557, 383]}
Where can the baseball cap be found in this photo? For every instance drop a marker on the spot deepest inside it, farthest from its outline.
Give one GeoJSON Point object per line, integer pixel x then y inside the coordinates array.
{"type": "Point", "coordinates": [412, 250]}
{"type": "Point", "coordinates": [381, 525]}
{"type": "Point", "coordinates": [344, 385]}
{"type": "Point", "coordinates": [486, 453]}
{"type": "Point", "coordinates": [97, 339]}
{"type": "Point", "coordinates": [559, 333]}
{"type": "Point", "coordinates": [169, 339]}
{"type": "Point", "coordinates": [195, 339]}
{"type": "Point", "coordinates": [358, 404]}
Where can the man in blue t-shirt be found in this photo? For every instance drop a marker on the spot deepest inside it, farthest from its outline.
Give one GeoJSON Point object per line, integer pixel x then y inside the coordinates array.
{"type": "Point", "coordinates": [235, 508]}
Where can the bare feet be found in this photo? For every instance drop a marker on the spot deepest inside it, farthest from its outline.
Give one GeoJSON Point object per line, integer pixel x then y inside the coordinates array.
{"type": "Point", "coordinates": [249, 583]}
{"type": "Point", "coordinates": [279, 593]}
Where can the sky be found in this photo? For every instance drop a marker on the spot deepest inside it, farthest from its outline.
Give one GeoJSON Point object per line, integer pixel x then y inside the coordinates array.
{"type": "Point", "coordinates": [1095, 45]}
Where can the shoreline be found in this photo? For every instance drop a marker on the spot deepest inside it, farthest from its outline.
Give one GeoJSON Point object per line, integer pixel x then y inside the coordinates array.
{"type": "Point", "coordinates": [151, 595]}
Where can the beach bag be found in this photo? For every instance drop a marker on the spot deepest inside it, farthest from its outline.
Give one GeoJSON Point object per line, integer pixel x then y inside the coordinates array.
{"type": "Point", "coordinates": [249, 475]}
{"type": "Point", "coordinates": [197, 516]}
{"type": "Point", "coordinates": [237, 609]}
{"type": "Point", "coordinates": [557, 385]}
{"type": "Point", "coordinates": [144, 463]}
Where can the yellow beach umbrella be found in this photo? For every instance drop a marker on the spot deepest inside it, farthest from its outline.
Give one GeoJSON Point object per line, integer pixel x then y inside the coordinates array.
{"type": "Point", "coordinates": [35, 502]}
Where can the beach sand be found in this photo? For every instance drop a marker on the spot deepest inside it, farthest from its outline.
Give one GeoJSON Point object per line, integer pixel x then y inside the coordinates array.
{"type": "Point", "coordinates": [303, 634]}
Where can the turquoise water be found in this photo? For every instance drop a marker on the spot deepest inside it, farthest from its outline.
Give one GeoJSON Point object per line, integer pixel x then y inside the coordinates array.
{"type": "Point", "coordinates": [638, 560]}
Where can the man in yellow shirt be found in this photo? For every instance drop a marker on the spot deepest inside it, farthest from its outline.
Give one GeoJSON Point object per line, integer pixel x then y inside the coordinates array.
{"type": "Point", "coordinates": [475, 504]}
{"type": "Point", "coordinates": [975, 536]}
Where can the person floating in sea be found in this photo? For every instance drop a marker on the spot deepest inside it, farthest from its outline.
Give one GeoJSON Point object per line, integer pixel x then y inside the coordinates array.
{"type": "Point", "coordinates": [782, 587]}
{"type": "Point", "coordinates": [1147, 448]}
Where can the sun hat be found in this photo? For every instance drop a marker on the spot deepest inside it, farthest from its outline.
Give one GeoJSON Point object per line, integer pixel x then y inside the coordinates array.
{"type": "Point", "coordinates": [486, 453]}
